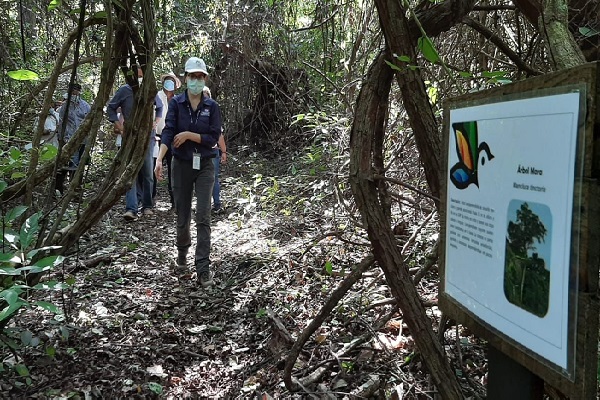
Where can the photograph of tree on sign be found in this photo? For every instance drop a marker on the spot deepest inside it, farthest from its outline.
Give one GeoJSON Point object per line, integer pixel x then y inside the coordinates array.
{"type": "Point", "coordinates": [526, 273]}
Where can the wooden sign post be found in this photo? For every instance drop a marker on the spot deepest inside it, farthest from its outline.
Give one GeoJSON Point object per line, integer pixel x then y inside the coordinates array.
{"type": "Point", "coordinates": [521, 228]}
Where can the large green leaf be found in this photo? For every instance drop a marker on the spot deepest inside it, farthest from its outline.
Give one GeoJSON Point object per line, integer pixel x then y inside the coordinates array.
{"type": "Point", "coordinates": [9, 271]}
{"type": "Point", "coordinates": [29, 230]}
{"type": "Point", "coordinates": [48, 152]}
{"type": "Point", "coordinates": [429, 52]}
{"type": "Point", "coordinates": [23, 75]}
{"type": "Point", "coordinates": [15, 153]}
{"type": "Point", "coordinates": [14, 213]}
{"type": "Point", "coordinates": [9, 258]}
{"type": "Point", "coordinates": [48, 306]}
{"type": "Point", "coordinates": [33, 252]}
{"type": "Point", "coordinates": [8, 311]}
{"type": "Point", "coordinates": [49, 261]}
{"type": "Point", "coordinates": [10, 295]}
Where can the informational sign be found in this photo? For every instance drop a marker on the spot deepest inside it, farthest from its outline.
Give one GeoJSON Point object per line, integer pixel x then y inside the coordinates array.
{"type": "Point", "coordinates": [509, 208]}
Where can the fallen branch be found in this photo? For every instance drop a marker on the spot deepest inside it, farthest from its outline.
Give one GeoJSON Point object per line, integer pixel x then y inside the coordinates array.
{"type": "Point", "coordinates": [336, 296]}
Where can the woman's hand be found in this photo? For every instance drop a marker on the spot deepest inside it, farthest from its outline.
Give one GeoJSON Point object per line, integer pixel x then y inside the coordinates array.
{"type": "Point", "coordinates": [181, 137]}
{"type": "Point", "coordinates": [158, 170]}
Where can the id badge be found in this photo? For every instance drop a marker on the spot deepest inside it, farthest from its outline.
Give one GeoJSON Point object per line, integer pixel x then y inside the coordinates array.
{"type": "Point", "coordinates": [196, 161]}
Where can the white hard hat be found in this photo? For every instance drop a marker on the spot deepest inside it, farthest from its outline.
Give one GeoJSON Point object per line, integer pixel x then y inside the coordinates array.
{"type": "Point", "coordinates": [195, 64]}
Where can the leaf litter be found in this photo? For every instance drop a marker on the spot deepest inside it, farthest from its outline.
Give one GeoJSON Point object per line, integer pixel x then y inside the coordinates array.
{"type": "Point", "coordinates": [135, 328]}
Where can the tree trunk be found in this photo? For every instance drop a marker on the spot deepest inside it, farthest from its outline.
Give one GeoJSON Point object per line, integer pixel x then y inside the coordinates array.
{"type": "Point", "coordinates": [564, 51]}
{"type": "Point", "coordinates": [372, 200]}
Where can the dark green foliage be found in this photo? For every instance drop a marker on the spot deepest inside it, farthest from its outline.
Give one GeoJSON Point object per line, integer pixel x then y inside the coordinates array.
{"type": "Point", "coordinates": [526, 279]}
{"type": "Point", "coordinates": [527, 283]}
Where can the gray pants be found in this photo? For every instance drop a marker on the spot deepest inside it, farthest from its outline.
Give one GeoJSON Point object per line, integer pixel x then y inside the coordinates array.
{"type": "Point", "coordinates": [185, 181]}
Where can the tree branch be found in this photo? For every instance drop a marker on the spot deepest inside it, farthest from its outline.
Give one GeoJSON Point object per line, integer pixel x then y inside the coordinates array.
{"type": "Point", "coordinates": [492, 37]}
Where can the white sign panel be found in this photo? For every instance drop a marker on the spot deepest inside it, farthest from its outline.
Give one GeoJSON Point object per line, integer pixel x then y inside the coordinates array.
{"type": "Point", "coordinates": [509, 210]}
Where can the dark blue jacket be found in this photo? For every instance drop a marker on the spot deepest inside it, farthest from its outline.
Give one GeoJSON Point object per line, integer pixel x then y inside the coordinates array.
{"type": "Point", "coordinates": [206, 121]}
{"type": "Point", "coordinates": [124, 98]}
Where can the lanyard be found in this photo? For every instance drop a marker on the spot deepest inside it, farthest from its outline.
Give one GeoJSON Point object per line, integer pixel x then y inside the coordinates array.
{"type": "Point", "coordinates": [198, 112]}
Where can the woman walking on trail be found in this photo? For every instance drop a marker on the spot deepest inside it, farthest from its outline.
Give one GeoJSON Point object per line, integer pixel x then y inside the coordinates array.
{"type": "Point", "coordinates": [192, 128]}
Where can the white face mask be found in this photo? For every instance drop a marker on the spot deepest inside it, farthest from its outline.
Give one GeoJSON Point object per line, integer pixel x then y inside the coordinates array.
{"type": "Point", "coordinates": [140, 80]}
{"type": "Point", "coordinates": [169, 85]}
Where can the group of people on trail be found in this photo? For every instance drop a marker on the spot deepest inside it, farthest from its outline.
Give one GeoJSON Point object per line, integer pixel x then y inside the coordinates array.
{"type": "Point", "coordinates": [142, 188]}
{"type": "Point", "coordinates": [186, 135]}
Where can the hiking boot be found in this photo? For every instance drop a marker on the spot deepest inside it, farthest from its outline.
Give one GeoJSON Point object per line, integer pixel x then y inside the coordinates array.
{"type": "Point", "coordinates": [130, 216]}
{"type": "Point", "coordinates": [147, 212]}
{"type": "Point", "coordinates": [206, 279]}
{"type": "Point", "coordinates": [181, 260]}
{"type": "Point", "coordinates": [217, 210]}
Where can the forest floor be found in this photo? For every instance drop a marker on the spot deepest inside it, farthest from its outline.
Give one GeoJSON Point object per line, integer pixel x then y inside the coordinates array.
{"type": "Point", "coordinates": [134, 328]}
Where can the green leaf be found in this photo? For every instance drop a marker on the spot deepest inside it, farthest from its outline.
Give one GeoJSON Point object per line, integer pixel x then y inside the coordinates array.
{"type": "Point", "coordinates": [48, 307]}
{"type": "Point", "coordinates": [10, 295]}
{"type": "Point", "coordinates": [10, 238]}
{"type": "Point", "coordinates": [429, 52]}
{"type": "Point", "coordinates": [155, 387]}
{"type": "Point", "coordinates": [493, 74]}
{"type": "Point", "coordinates": [29, 231]}
{"type": "Point", "coordinates": [14, 213]}
{"type": "Point", "coordinates": [100, 14]}
{"type": "Point", "coordinates": [21, 370]}
{"type": "Point", "coordinates": [50, 261]}
{"type": "Point", "coordinates": [18, 175]}
{"type": "Point", "coordinates": [50, 351]}
{"type": "Point", "coordinates": [405, 59]}
{"type": "Point", "coordinates": [26, 337]}
{"type": "Point", "coordinates": [15, 153]}
{"type": "Point", "coordinates": [328, 267]}
{"type": "Point", "coordinates": [51, 285]}
{"type": "Point", "coordinates": [33, 252]}
{"type": "Point", "coordinates": [7, 312]}
{"type": "Point", "coordinates": [23, 75]}
{"type": "Point", "coordinates": [588, 32]}
{"type": "Point", "coordinates": [9, 271]}
{"type": "Point", "coordinates": [54, 4]}
{"type": "Point", "coordinates": [393, 66]}
{"type": "Point", "coordinates": [3, 185]}
{"type": "Point", "coordinates": [464, 74]}
{"type": "Point", "coordinates": [64, 332]}
{"type": "Point", "coordinates": [9, 258]}
{"type": "Point", "coordinates": [48, 152]}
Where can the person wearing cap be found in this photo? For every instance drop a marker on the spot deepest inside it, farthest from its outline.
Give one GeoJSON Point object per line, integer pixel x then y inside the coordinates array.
{"type": "Point", "coordinates": [192, 128]}
{"type": "Point", "coordinates": [170, 82]}
{"type": "Point", "coordinates": [78, 109]}
{"type": "Point", "coordinates": [123, 99]}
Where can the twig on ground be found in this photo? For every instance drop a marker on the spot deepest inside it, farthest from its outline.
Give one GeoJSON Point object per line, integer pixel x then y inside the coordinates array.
{"type": "Point", "coordinates": [336, 296]}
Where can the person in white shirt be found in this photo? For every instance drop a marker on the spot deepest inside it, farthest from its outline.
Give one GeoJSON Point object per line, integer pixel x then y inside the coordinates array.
{"type": "Point", "coordinates": [170, 83]}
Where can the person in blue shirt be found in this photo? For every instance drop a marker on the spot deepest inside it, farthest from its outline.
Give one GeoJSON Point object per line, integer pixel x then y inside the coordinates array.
{"type": "Point", "coordinates": [192, 128]}
{"type": "Point", "coordinates": [123, 99]}
{"type": "Point", "coordinates": [220, 157]}
{"type": "Point", "coordinates": [78, 110]}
